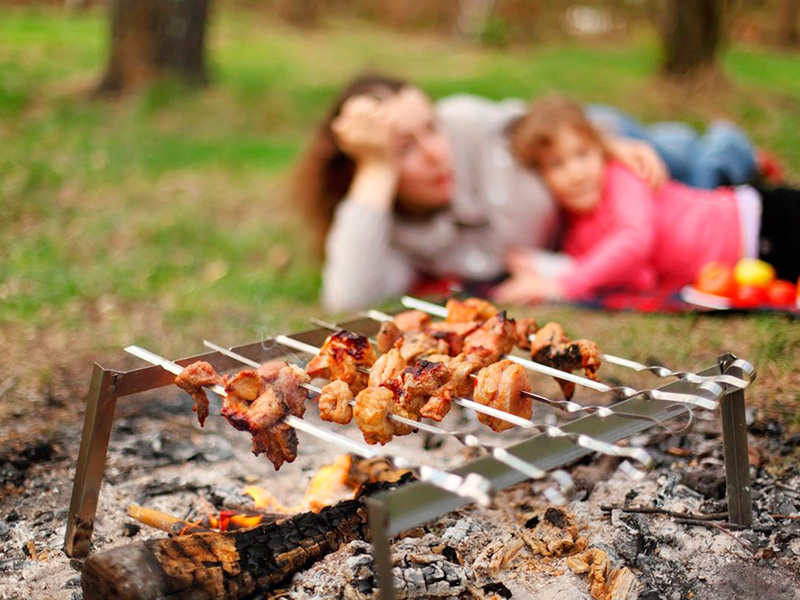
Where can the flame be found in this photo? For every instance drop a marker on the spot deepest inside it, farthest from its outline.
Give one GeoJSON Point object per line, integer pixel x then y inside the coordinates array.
{"type": "Point", "coordinates": [328, 485]}
{"type": "Point", "coordinates": [229, 520]}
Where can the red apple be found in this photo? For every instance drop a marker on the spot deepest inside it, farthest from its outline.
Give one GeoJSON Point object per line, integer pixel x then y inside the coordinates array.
{"type": "Point", "coordinates": [781, 292]}
{"type": "Point", "coordinates": [749, 296]}
{"type": "Point", "coordinates": [716, 278]}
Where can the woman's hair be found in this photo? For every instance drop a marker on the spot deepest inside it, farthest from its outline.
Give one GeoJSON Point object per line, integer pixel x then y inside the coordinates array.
{"type": "Point", "coordinates": [324, 172]}
{"type": "Point", "coordinates": [533, 134]}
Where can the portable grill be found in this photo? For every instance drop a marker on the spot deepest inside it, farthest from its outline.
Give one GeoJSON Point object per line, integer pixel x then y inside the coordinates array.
{"type": "Point", "coordinates": [438, 492]}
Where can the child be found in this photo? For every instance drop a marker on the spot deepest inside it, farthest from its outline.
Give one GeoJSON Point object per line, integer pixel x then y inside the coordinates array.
{"type": "Point", "coordinates": [620, 234]}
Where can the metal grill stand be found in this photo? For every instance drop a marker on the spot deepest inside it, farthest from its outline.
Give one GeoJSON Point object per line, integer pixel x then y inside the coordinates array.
{"type": "Point", "coordinates": [392, 512]}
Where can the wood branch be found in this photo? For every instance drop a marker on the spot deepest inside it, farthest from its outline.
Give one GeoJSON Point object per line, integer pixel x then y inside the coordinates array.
{"type": "Point", "coordinates": [163, 521]}
{"type": "Point", "coordinates": [227, 565]}
{"type": "Point", "coordinates": [222, 565]}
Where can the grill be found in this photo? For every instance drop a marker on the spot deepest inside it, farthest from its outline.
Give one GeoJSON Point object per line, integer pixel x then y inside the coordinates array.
{"type": "Point", "coordinates": [437, 492]}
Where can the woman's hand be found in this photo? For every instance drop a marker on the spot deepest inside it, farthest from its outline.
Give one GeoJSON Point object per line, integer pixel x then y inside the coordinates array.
{"type": "Point", "coordinates": [519, 261]}
{"type": "Point", "coordinates": [527, 289]}
{"type": "Point", "coordinates": [641, 158]}
{"type": "Point", "coordinates": [364, 130]}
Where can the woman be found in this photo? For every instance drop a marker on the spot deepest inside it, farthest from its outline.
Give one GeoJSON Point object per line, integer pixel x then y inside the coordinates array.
{"type": "Point", "coordinates": [400, 188]}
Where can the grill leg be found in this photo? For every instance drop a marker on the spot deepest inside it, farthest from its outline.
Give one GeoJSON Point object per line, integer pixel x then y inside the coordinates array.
{"type": "Point", "coordinates": [734, 440]}
{"type": "Point", "coordinates": [97, 423]}
{"type": "Point", "coordinates": [381, 552]}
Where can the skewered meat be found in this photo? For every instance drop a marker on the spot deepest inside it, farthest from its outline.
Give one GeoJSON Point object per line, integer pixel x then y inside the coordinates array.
{"type": "Point", "coordinates": [340, 358]}
{"type": "Point", "coordinates": [387, 367]}
{"type": "Point", "coordinates": [388, 334]}
{"type": "Point", "coordinates": [417, 345]}
{"type": "Point", "coordinates": [334, 403]}
{"type": "Point", "coordinates": [371, 414]}
{"type": "Point", "coordinates": [192, 379]}
{"type": "Point", "coordinates": [257, 402]}
{"type": "Point", "coordinates": [460, 384]}
{"type": "Point", "coordinates": [410, 321]}
{"type": "Point", "coordinates": [525, 328]}
{"type": "Point", "coordinates": [471, 309]}
{"type": "Point", "coordinates": [415, 385]}
{"type": "Point", "coordinates": [500, 385]}
{"type": "Point", "coordinates": [494, 338]}
{"type": "Point", "coordinates": [553, 348]}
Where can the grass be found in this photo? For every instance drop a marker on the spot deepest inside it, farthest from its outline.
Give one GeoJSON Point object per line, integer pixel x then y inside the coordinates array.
{"type": "Point", "coordinates": [163, 218]}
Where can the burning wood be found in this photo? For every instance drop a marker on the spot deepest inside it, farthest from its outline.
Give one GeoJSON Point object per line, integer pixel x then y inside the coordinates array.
{"type": "Point", "coordinates": [226, 565]}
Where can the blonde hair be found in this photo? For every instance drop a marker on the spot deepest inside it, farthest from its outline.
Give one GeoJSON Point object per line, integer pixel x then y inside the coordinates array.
{"type": "Point", "coordinates": [533, 134]}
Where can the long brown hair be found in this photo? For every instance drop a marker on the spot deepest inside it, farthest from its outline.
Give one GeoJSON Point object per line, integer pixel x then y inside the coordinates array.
{"type": "Point", "coordinates": [324, 173]}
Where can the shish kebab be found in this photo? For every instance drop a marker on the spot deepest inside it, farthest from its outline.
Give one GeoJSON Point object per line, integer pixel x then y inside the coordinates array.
{"type": "Point", "coordinates": [508, 419]}
{"type": "Point", "coordinates": [748, 371]}
{"type": "Point", "coordinates": [473, 486]}
{"type": "Point", "coordinates": [499, 453]}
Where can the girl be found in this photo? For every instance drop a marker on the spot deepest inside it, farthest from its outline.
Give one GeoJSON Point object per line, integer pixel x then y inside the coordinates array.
{"type": "Point", "coordinates": [622, 235]}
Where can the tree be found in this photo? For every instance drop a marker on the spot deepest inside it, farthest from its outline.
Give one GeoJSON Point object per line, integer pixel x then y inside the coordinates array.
{"type": "Point", "coordinates": [153, 37]}
{"type": "Point", "coordinates": [691, 32]}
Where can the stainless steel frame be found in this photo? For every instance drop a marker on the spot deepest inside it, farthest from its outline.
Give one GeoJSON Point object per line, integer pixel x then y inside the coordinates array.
{"type": "Point", "coordinates": [393, 512]}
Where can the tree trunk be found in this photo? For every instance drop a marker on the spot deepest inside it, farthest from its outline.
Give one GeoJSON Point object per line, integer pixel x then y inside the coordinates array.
{"type": "Point", "coordinates": [691, 32]}
{"type": "Point", "coordinates": [787, 23]}
{"type": "Point", "coordinates": [154, 37]}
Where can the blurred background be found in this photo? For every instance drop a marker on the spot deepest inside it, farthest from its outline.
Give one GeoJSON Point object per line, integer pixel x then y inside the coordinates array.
{"type": "Point", "coordinates": [146, 145]}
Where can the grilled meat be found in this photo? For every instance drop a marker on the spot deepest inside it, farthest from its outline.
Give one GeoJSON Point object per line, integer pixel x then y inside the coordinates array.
{"type": "Point", "coordinates": [553, 348]}
{"type": "Point", "coordinates": [388, 334]}
{"type": "Point", "coordinates": [410, 321]}
{"type": "Point", "coordinates": [340, 358]}
{"type": "Point", "coordinates": [496, 337]}
{"type": "Point", "coordinates": [461, 368]}
{"type": "Point", "coordinates": [387, 367]}
{"type": "Point", "coordinates": [417, 345]}
{"type": "Point", "coordinates": [192, 379]}
{"type": "Point", "coordinates": [500, 385]}
{"type": "Point", "coordinates": [471, 309]}
{"type": "Point", "coordinates": [371, 414]}
{"type": "Point", "coordinates": [525, 328]}
{"type": "Point", "coordinates": [334, 403]}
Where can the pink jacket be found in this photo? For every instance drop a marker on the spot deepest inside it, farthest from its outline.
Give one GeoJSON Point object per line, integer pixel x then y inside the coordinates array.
{"type": "Point", "coordinates": [637, 239]}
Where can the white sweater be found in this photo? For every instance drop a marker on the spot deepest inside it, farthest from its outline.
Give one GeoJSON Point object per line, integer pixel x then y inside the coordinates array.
{"type": "Point", "coordinates": [373, 254]}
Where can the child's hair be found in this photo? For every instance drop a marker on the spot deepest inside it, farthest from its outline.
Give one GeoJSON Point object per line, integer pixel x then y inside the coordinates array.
{"type": "Point", "coordinates": [533, 134]}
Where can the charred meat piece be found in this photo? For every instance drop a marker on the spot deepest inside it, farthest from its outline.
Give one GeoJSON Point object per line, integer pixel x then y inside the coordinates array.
{"type": "Point", "coordinates": [416, 384]}
{"type": "Point", "coordinates": [410, 321]}
{"type": "Point", "coordinates": [500, 385]}
{"type": "Point", "coordinates": [388, 334]}
{"type": "Point", "coordinates": [279, 443]}
{"type": "Point", "coordinates": [493, 339]}
{"type": "Point", "coordinates": [192, 379]}
{"type": "Point", "coordinates": [553, 348]}
{"type": "Point", "coordinates": [340, 358]}
{"type": "Point", "coordinates": [242, 389]}
{"type": "Point", "coordinates": [460, 384]}
{"type": "Point", "coordinates": [387, 367]}
{"type": "Point", "coordinates": [526, 327]}
{"type": "Point", "coordinates": [287, 381]}
{"type": "Point", "coordinates": [371, 414]}
{"type": "Point", "coordinates": [334, 403]}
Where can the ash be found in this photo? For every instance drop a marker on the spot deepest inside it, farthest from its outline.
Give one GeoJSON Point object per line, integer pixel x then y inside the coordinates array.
{"type": "Point", "coordinates": [518, 547]}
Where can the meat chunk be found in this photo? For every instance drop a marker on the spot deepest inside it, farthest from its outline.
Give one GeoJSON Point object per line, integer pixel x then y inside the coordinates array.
{"type": "Point", "coordinates": [387, 367]}
{"type": "Point", "coordinates": [493, 339]}
{"type": "Point", "coordinates": [417, 345]}
{"type": "Point", "coordinates": [410, 321]}
{"type": "Point", "coordinates": [414, 386]}
{"type": "Point", "coordinates": [500, 385]}
{"type": "Point", "coordinates": [553, 348]}
{"type": "Point", "coordinates": [334, 403]}
{"type": "Point", "coordinates": [388, 334]}
{"type": "Point", "coordinates": [341, 357]}
{"type": "Point", "coordinates": [526, 327]}
{"type": "Point", "coordinates": [371, 414]}
{"type": "Point", "coordinates": [471, 309]}
{"type": "Point", "coordinates": [461, 368]}
{"type": "Point", "coordinates": [257, 401]}
{"type": "Point", "coordinates": [192, 379]}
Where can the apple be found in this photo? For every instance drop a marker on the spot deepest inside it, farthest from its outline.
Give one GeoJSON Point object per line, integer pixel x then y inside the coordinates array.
{"type": "Point", "coordinates": [752, 271]}
{"type": "Point", "coordinates": [749, 296]}
{"type": "Point", "coordinates": [716, 278]}
{"type": "Point", "coordinates": [781, 292]}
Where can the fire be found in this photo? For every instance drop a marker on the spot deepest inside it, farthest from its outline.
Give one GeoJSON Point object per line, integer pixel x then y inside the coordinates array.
{"type": "Point", "coordinates": [228, 520]}
{"type": "Point", "coordinates": [329, 484]}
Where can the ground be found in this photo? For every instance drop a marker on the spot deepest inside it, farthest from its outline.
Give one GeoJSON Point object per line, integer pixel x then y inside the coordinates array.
{"type": "Point", "coordinates": [163, 218]}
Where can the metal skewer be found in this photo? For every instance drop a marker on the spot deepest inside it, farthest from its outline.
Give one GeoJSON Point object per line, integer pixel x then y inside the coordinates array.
{"type": "Point", "coordinates": [748, 370]}
{"type": "Point", "coordinates": [637, 454]}
{"type": "Point", "coordinates": [473, 486]}
{"type": "Point", "coordinates": [467, 439]}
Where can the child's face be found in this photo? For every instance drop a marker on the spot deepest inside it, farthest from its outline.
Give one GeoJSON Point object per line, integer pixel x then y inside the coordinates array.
{"type": "Point", "coordinates": [573, 170]}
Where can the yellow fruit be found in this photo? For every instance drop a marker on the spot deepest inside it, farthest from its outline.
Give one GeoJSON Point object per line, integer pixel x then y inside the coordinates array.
{"type": "Point", "coordinates": [751, 271]}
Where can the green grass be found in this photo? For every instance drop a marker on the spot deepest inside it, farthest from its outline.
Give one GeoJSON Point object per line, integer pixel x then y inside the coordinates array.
{"type": "Point", "coordinates": [163, 217]}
